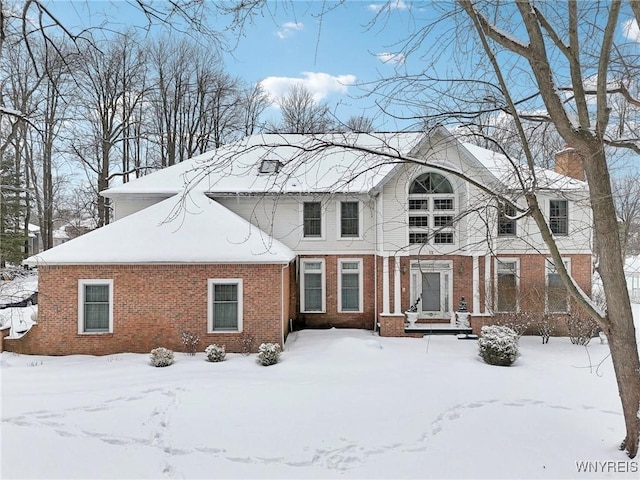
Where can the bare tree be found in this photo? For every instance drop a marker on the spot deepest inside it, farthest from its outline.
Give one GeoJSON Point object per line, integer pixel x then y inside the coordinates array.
{"type": "Point", "coordinates": [255, 100]}
{"type": "Point", "coordinates": [301, 113]}
{"type": "Point", "coordinates": [539, 63]}
{"type": "Point", "coordinates": [627, 200]}
{"type": "Point", "coordinates": [110, 81]}
{"type": "Point", "coordinates": [359, 124]}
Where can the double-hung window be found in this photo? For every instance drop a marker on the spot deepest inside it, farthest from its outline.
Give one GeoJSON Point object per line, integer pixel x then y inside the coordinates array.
{"type": "Point", "coordinates": [312, 286]}
{"type": "Point", "coordinates": [225, 305]}
{"type": "Point", "coordinates": [557, 296]}
{"type": "Point", "coordinates": [350, 285]}
{"type": "Point", "coordinates": [506, 285]}
{"type": "Point", "coordinates": [95, 306]}
{"type": "Point", "coordinates": [559, 217]}
{"type": "Point", "coordinates": [506, 222]}
{"type": "Point", "coordinates": [349, 219]}
{"type": "Point", "coordinates": [312, 219]}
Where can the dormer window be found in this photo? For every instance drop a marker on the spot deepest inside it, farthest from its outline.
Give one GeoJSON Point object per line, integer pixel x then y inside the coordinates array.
{"type": "Point", "coordinates": [268, 166]}
{"type": "Point", "coordinates": [432, 210]}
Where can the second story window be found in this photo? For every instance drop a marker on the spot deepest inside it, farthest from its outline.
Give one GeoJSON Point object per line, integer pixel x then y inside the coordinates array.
{"type": "Point", "coordinates": [432, 210]}
{"type": "Point", "coordinates": [506, 223]}
{"type": "Point", "coordinates": [312, 219]}
{"type": "Point", "coordinates": [349, 220]}
{"type": "Point", "coordinates": [559, 217]}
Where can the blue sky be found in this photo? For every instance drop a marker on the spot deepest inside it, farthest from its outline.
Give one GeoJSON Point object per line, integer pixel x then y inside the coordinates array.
{"type": "Point", "coordinates": [288, 43]}
{"type": "Point", "coordinates": [332, 51]}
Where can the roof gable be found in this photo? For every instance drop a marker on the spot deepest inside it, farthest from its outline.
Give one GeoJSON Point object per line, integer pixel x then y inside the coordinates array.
{"type": "Point", "coordinates": [191, 229]}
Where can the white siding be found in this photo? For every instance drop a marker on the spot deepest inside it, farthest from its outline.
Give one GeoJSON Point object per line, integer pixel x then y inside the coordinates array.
{"type": "Point", "coordinates": [281, 217]}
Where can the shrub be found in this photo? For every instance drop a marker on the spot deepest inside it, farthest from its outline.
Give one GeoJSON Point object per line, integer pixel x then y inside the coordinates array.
{"type": "Point", "coordinates": [581, 329]}
{"type": "Point", "coordinates": [268, 354]}
{"type": "Point", "coordinates": [247, 344]}
{"type": "Point", "coordinates": [161, 357]}
{"type": "Point", "coordinates": [190, 340]}
{"type": "Point", "coordinates": [519, 322]}
{"type": "Point", "coordinates": [215, 353]}
{"type": "Point", "coordinates": [546, 327]}
{"type": "Point", "coordinates": [498, 345]}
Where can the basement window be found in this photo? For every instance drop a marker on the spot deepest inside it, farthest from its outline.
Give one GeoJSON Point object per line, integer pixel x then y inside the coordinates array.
{"type": "Point", "coordinates": [268, 166]}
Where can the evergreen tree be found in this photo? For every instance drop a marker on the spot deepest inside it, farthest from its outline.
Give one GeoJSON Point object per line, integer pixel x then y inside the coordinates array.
{"type": "Point", "coordinates": [13, 205]}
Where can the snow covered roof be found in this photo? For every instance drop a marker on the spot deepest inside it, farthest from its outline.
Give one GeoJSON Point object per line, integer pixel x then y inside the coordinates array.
{"type": "Point", "coordinates": [304, 164]}
{"type": "Point", "coordinates": [176, 230]}
{"type": "Point", "coordinates": [337, 163]}
{"type": "Point", "coordinates": [502, 168]}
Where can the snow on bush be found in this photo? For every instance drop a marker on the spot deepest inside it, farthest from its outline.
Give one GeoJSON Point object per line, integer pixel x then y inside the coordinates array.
{"type": "Point", "coordinates": [190, 340]}
{"type": "Point", "coordinates": [161, 357]}
{"type": "Point", "coordinates": [268, 353]}
{"type": "Point", "coordinates": [498, 345]}
{"type": "Point", "coordinates": [215, 353]}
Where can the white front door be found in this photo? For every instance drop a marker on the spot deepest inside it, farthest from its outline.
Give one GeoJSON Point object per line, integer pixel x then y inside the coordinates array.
{"type": "Point", "coordinates": [431, 280]}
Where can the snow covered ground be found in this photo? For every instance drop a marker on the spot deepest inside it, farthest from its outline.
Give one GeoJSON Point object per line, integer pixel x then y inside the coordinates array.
{"type": "Point", "coordinates": [341, 404]}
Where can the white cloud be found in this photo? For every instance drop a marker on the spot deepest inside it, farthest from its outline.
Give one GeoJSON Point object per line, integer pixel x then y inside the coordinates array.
{"type": "Point", "coordinates": [319, 84]}
{"type": "Point", "coordinates": [393, 5]}
{"type": "Point", "coordinates": [288, 29]}
{"type": "Point", "coordinates": [391, 58]}
{"type": "Point", "coordinates": [631, 31]}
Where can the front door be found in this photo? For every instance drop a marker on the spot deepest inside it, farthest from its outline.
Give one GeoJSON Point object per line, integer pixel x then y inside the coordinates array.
{"type": "Point", "coordinates": [431, 281]}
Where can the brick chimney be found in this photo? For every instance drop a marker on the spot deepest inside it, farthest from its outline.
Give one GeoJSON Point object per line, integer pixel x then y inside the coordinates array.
{"type": "Point", "coordinates": [569, 163]}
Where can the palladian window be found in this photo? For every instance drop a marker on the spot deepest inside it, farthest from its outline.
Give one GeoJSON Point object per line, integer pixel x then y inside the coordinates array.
{"type": "Point", "coordinates": [432, 209]}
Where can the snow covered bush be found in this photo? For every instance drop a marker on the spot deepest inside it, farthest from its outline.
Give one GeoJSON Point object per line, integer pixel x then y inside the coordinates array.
{"type": "Point", "coordinates": [161, 357]}
{"type": "Point", "coordinates": [498, 345]}
{"type": "Point", "coordinates": [215, 353]}
{"type": "Point", "coordinates": [190, 340]}
{"type": "Point", "coordinates": [247, 344]}
{"type": "Point", "coordinates": [546, 327]}
{"type": "Point", "coordinates": [268, 353]}
{"type": "Point", "coordinates": [581, 329]}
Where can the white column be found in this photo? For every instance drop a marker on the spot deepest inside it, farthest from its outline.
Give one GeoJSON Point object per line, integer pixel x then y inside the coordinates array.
{"type": "Point", "coordinates": [487, 282]}
{"type": "Point", "coordinates": [476, 285]}
{"type": "Point", "coordinates": [396, 286]}
{"type": "Point", "coordinates": [385, 284]}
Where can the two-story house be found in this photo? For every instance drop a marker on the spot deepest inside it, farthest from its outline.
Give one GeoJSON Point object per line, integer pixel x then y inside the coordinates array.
{"type": "Point", "coordinates": [347, 230]}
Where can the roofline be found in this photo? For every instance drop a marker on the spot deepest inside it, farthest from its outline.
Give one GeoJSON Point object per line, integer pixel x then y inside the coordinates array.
{"type": "Point", "coordinates": [58, 264]}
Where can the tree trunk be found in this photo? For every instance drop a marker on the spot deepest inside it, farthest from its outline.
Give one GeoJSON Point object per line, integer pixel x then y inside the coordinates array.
{"type": "Point", "coordinates": [621, 332]}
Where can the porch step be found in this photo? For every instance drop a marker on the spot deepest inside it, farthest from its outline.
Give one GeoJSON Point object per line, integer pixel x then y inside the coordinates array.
{"type": "Point", "coordinates": [439, 329]}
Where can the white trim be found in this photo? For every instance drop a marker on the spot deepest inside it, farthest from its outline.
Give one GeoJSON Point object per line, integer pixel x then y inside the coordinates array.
{"type": "Point", "coordinates": [496, 292]}
{"type": "Point", "coordinates": [397, 304]}
{"type": "Point", "coordinates": [475, 284]}
{"type": "Point", "coordinates": [445, 268]}
{"type": "Point", "coordinates": [386, 294]}
{"type": "Point", "coordinates": [323, 282]}
{"type": "Point", "coordinates": [339, 203]}
{"type": "Point", "coordinates": [223, 281]}
{"type": "Point", "coordinates": [360, 273]}
{"type": "Point", "coordinates": [93, 281]}
{"type": "Point", "coordinates": [323, 221]}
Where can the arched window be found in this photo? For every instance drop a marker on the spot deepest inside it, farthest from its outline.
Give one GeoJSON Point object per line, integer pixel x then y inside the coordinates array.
{"type": "Point", "coordinates": [431, 183]}
{"type": "Point", "coordinates": [431, 210]}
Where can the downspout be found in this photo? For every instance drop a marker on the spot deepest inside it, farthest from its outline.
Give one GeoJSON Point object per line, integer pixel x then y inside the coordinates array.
{"type": "Point", "coordinates": [374, 194]}
{"type": "Point", "coordinates": [282, 300]}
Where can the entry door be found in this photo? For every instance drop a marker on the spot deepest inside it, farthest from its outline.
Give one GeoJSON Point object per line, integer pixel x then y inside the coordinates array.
{"type": "Point", "coordinates": [432, 281]}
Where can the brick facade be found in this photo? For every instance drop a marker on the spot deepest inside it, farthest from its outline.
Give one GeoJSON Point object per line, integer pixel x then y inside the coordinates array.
{"type": "Point", "coordinates": [331, 317]}
{"type": "Point", "coordinates": [531, 295]}
{"type": "Point", "coordinates": [152, 305]}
